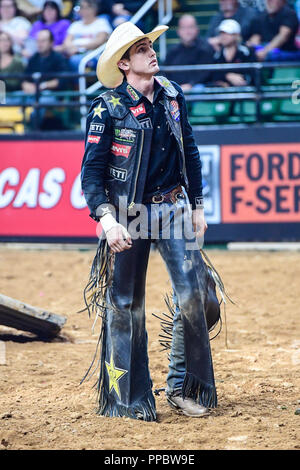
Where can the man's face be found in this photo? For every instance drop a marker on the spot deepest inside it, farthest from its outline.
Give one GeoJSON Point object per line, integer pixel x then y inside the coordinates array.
{"type": "Point", "coordinates": [87, 11]}
{"type": "Point", "coordinates": [273, 6]}
{"type": "Point", "coordinates": [5, 43]}
{"type": "Point", "coordinates": [228, 7]}
{"type": "Point", "coordinates": [7, 9]}
{"type": "Point", "coordinates": [142, 59]}
{"type": "Point", "coordinates": [187, 29]}
{"type": "Point", "coordinates": [227, 39]}
{"type": "Point", "coordinates": [43, 42]}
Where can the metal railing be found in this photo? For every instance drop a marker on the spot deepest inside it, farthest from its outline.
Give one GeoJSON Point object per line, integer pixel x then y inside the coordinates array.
{"type": "Point", "coordinates": [165, 14]}
{"type": "Point", "coordinates": [255, 93]}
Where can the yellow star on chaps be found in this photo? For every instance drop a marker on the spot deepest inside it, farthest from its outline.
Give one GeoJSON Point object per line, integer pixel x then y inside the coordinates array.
{"type": "Point", "coordinates": [115, 375]}
{"type": "Point", "coordinates": [115, 101]}
{"type": "Point", "coordinates": [98, 111]}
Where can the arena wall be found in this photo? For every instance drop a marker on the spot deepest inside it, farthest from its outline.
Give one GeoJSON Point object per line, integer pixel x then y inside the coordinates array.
{"type": "Point", "coordinates": [251, 185]}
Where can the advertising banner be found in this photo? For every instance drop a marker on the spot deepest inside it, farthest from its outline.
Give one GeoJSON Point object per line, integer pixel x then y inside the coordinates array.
{"type": "Point", "coordinates": [260, 183]}
{"type": "Point", "coordinates": [40, 190]}
{"type": "Point", "coordinates": [255, 187]}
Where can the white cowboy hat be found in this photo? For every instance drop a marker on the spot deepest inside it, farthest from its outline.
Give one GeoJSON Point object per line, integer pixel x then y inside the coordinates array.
{"type": "Point", "coordinates": [121, 39]}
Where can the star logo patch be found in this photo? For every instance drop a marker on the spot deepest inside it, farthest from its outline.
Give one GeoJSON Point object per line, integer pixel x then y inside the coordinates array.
{"type": "Point", "coordinates": [114, 374]}
{"type": "Point", "coordinates": [98, 111]}
{"type": "Point", "coordinates": [115, 101]}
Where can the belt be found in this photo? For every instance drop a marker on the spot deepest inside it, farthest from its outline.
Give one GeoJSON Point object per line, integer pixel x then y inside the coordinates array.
{"type": "Point", "coordinates": [171, 196]}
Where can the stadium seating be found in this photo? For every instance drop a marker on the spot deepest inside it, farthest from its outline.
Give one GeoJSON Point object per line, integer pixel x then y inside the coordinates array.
{"type": "Point", "coordinates": [288, 111]}
{"type": "Point", "coordinates": [246, 111]}
{"type": "Point", "coordinates": [284, 76]}
{"type": "Point", "coordinates": [11, 119]}
{"type": "Point", "coordinates": [209, 112]}
{"type": "Point", "coordinates": [215, 110]}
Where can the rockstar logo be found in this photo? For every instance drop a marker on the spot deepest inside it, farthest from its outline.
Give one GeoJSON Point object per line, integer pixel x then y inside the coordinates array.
{"type": "Point", "coordinates": [98, 111]}
{"type": "Point", "coordinates": [115, 374]}
{"type": "Point", "coordinates": [163, 81]}
{"type": "Point", "coordinates": [115, 101]}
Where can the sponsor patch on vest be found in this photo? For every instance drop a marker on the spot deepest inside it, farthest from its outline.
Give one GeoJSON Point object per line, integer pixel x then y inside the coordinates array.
{"type": "Point", "coordinates": [146, 123]}
{"type": "Point", "coordinates": [120, 150]}
{"type": "Point", "coordinates": [117, 173]}
{"type": "Point", "coordinates": [98, 111]}
{"type": "Point", "coordinates": [137, 110]}
{"type": "Point", "coordinates": [94, 139]}
{"type": "Point", "coordinates": [132, 93]}
{"type": "Point", "coordinates": [175, 110]}
{"type": "Point", "coordinates": [163, 82]}
{"type": "Point", "coordinates": [96, 128]}
{"type": "Point", "coordinates": [125, 135]}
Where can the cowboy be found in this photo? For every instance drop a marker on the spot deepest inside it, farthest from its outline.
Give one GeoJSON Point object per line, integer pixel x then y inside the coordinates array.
{"type": "Point", "coordinates": [140, 153]}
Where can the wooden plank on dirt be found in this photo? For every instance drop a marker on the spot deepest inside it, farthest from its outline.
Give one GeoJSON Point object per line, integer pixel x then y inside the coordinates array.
{"type": "Point", "coordinates": [25, 317]}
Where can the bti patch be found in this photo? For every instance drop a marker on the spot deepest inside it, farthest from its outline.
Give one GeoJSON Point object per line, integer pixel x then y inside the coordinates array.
{"type": "Point", "coordinates": [96, 128]}
{"type": "Point", "coordinates": [146, 123]}
{"type": "Point", "coordinates": [117, 173]}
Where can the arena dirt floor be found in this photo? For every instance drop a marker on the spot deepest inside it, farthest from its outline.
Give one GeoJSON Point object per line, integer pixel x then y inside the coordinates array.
{"type": "Point", "coordinates": [42, 405]}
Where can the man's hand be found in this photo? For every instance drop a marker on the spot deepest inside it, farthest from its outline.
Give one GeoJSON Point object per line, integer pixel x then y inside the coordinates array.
{"type": "Point", "coordinates": [118, 239]}
{"type": "Point", "coordinates": [71, 49]}
{"type": "Point", "coordinates": [29, 88]}
{"type": "Point", "coordinates": [119, 9]}
{"type": "Point", "coordinates": [261, 54]}
{"type": "Point", "coordinates": [236, 79]}
{"type": "Point", "coordinates": [215, 42]}
{"type": "Point", "coordinates": [199, 224]}
{"type": "Point", "coordinates": [117, 236]}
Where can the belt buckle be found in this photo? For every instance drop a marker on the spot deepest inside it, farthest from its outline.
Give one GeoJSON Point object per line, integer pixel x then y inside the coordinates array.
{"type": "Point", "coordinates": [154, 198]}
{"type": "Point", "coordinates": [179, 195]}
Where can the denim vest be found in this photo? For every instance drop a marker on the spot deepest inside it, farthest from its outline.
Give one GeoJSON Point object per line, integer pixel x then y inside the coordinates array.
{"type": "Point", "coordinates": [126, 176]}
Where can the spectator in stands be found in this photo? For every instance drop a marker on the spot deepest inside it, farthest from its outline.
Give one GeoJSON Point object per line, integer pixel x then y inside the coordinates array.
{"type": "Point", "coordinates": [12, 23]}
{"type": "Point", "coordinates": [45, 60]}
{"type": "Point", "coordinates": [192, 50]}
{"type": "Point", "coordinates": [10, 62]}
{"type": "Point", "coordinates": [274, 32]}
{"type": "Point", "coordinates": [232, 52]}
{"type": "Point", "coordinates": [124, 11]}
{"type": "Point", "coordinates": [87, 34]}
{"type": "Point", "coordinates": [51, 19]}
{"type": "Point", "coordinates": [230, 9]}
{"type": "Point", "coordinates": [120, 12]}
{"type": "Point", "coordinates": [32, 8]}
